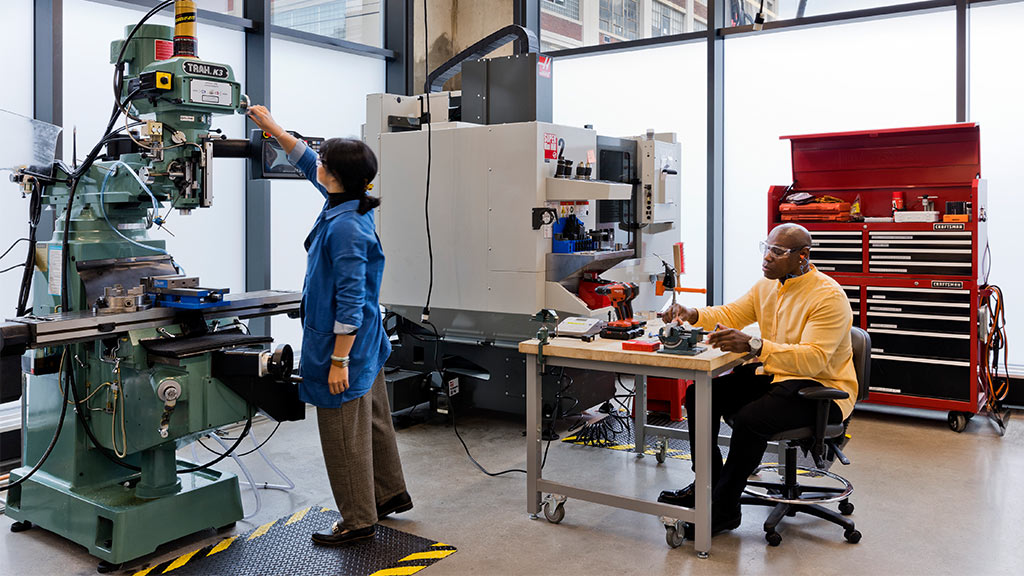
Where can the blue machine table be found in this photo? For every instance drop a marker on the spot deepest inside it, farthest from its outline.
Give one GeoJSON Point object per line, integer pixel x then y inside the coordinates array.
{"type": "Point", "coordinates": [608, 356]}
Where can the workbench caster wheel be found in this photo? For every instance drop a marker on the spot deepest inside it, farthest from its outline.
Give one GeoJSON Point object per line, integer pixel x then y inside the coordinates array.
{"type": "Point", "coordinates": [662, 452]}
{"type": "Point", "coordinates": [852, 536]}
{"type": "Point", "coordinates": [773, 538]}
{"type": "Point", "coordinates": [674, 536]}
{"type": "Point", "coordinates": [21, 526]}
{"type": "Point", "coordinates": [553, 511]}
{"type": "Point", "coordinates": [845, 508]}
{"type": "Point", "coordinates": [104, 567]}
{"type": "Point", "coordinates": [957, 421]}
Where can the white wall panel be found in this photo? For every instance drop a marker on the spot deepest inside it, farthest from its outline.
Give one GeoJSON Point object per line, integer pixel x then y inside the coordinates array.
{"type": "Point", "coordinates": [316, 92]}
{"type": "Point", "coordinates": [16, 97]}
{"type": "Point", "coordinates": [625, 95]}
{"type": "Point", "coordinates": [888, 73]}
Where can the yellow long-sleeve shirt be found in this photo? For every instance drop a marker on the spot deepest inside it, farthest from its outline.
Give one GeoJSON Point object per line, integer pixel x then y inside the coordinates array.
{"type": "Point", "coordinates": [805, 327]}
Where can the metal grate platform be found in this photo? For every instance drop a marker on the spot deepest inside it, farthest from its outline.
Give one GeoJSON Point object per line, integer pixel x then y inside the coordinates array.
{"type": "Point", "coordinates": [284, 547]}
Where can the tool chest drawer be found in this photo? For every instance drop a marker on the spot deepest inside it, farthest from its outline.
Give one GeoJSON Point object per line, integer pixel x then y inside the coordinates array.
{"type": "Point", "coordinates": [838, 251]}
{"type": "Point", "coordinates": [920, 253]}
{"type": "Point", "coordinates": [929, 378]}
{"type": "Point", "coordinates": [916, 311]}
{"type": "Point", "coordinates": [935, 345]}
{"type": "Point", "coordinates": [853, 295]}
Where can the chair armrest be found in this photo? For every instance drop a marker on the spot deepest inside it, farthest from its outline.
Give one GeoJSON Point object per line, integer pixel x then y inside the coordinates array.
{"type": "Point", "coordinates": [822, 393]}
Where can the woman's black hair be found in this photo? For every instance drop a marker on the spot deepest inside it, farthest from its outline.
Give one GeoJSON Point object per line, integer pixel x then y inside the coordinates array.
{"type": "Point", "coordinates": [354, 165]}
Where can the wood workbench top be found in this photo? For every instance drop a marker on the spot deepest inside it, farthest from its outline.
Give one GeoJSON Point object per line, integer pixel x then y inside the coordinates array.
{"type": "Point", "coordinates": [607, 350]}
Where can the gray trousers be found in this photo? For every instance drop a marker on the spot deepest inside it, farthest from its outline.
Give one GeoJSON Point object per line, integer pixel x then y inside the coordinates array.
{"type": "Point", "coordinates": [358, 442]}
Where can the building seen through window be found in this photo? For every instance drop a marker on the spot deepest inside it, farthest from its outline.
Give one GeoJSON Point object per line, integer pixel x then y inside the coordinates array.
{"type": "Point", "coordinates": [353, 20]}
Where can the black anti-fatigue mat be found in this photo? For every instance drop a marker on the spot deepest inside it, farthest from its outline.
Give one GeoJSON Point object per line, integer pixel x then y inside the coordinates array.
{"type": "Point", "coordinates": [284, 547]}
{"type": "Point", "coordinates": [617, 434]}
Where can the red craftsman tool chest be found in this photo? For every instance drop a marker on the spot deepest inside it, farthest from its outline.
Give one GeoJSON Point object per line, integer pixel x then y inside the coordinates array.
{"type": "Point", "coordinates": [912, 285]}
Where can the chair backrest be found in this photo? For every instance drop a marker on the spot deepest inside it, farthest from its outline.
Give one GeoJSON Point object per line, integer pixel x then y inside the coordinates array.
{"type": "Point", "coordinates": [860, 340]}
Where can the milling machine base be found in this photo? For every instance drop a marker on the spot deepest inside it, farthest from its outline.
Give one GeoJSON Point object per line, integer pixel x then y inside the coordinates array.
{"type": "Point", "coordinates": [115, 525]}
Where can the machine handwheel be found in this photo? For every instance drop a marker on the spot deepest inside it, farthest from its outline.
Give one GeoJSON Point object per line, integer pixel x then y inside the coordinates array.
{"type": "Point", "coordinates": [957, 421]}
{"type": "Point", "coordinates": [845, 508]}
{"type": "Point", "coordinates": [554, 512]}
{"type": "Point", "coordinates": [662, 452]}
{"type": "Point", "coordinates": [21, 526]}
{"type": "Point", "coordinates": [852, 536]}
{"type": "Point", "coordinates": [773, 538]}
{"type": "Point", "coordinates": [673, 536]}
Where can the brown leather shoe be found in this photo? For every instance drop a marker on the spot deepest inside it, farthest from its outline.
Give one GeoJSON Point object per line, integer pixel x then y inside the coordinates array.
{"type": "Point", "coordinates": [337, 536]}
{"type": "Point", "coordinates": [396, 505]}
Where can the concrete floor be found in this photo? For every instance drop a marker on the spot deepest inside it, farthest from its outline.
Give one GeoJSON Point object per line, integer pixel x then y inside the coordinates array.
{"type": "Point", "coordinates": [928, 501]}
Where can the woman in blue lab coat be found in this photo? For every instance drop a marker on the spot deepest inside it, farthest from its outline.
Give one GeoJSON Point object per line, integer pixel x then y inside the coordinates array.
{"type": "Point", "coordinates": [344, 345]}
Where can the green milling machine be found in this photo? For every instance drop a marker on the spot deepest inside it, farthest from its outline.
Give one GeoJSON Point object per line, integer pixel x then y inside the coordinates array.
{"type": "Point", "coordinates": [122, 361]}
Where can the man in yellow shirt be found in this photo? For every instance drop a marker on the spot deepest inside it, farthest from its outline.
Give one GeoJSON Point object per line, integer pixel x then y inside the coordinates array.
{"type": "Point", "coordinates": [805, 320]}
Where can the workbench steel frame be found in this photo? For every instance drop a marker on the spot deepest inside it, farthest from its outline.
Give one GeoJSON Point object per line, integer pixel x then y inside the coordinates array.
{"type": "Point", "coordinates": [701, 452]}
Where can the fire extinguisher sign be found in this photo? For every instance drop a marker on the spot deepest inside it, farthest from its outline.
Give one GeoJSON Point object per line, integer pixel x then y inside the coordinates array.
{"type": "Point", "coordinates": [550, 146]}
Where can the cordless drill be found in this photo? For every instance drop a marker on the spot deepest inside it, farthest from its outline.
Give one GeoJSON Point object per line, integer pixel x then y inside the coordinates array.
{"type": "Point", "coordinates": [622, 295]}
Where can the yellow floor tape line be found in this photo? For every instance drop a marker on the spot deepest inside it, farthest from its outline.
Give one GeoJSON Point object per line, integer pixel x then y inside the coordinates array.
{"type": "Point", "coordinates": [223, 545]}
{"type": "Point", "coordinates": [181, 561]}
{"type": "Point", "coordinates": [297, 516]}
{"type": "Point", "coordinates": [398, 571]}
{"type": "Point", "coordinates": [261, 530]}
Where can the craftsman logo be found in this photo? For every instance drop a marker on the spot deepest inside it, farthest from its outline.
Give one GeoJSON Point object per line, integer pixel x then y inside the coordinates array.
{"type": "Point", "coordinates": [948, 226]}
{"type": "Point", "coordinates": [947, 284]}
{"type": "Point", "coordinates": [200, 69]}
{"type": "Point", "coordinates": [550, 146]}
{"type": "Point", "coordinates": [544, 66]}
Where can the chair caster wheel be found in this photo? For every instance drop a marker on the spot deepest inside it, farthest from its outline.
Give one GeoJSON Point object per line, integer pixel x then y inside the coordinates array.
{"type": "Point", "coordinates": [852, 536]}
{"type": "Point", "coordinates": [21, 526]}
{"type": "Point", "coordinates": [104, 567]}
{"type": "Point", "coordinates": [773, 538]}
{"type": "Point", "coordinates": [845, 508]}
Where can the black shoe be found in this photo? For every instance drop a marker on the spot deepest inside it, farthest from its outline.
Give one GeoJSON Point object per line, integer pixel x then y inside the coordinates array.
{"type": "Point", "coordinates": [722, 519]}
{"type": "Point", "coordinates": [396, 505]}
{"type": "Point", "coordinates": [685, 497]}
{"type": "Point", "coordinates": [336, 537]}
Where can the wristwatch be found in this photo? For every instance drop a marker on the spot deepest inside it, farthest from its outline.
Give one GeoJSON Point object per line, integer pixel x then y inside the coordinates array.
{"type": "Point", "coordinates": [755, 345]}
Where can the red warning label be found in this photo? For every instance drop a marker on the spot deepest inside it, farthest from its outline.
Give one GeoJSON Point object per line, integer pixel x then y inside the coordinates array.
{"type": "Point", "coordinates": [550, 146]}
{"type": "Point", "coordinates": [544, 66]}
{"type": "Point", "coordinates": [163, 49]}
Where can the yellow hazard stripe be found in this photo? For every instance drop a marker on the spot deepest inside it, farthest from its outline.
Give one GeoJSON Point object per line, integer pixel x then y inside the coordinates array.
{"type": "Point", "coordinates": [261, 530]}
{"type": "Point", "coordinates": [144, 572]}
{"type": "Point", "coordinates": [297, 516]}
{"type": "Point", "coordinates": [398, 571]}
{"type": "Point", "coordinates": [429, 555]}
{"type": "Point", "coordinates": [181, 561]}
{"type": "Point", "coordinates": [621, 447]}
{"type": "Point", "coordinates": [222, 546]}
{"type": "Point", "coordinates": [438, 544]}
{"type": "Point", "coordinates": [325, 509]}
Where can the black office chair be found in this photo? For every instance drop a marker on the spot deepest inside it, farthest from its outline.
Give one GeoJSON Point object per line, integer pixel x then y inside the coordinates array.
{"type": "Point", "coordinates": [823, 442]}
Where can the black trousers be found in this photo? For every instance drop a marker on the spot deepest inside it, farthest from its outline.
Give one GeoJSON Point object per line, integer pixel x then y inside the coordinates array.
{"type": "Point", "coordinates": [758, 410]}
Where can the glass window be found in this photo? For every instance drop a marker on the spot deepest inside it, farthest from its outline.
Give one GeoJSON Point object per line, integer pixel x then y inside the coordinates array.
{"type": "Point", "coordinates": [665, 20]}
{"type": "Point", "coordinates": [742, 12]}
{"type": "Point", "coordinates": [822, 79]}
{"type": "Point", "coordinates": [566, 8]}
{"type": "Point", "coordinates": [230, 7]}
{"type": "Point", "coordinates": [603, 90]}
{"type": "Point", "coordinates": [576, 23]}
{"type": "Point", "coordinates": [995, 105]}
{"type": "Point", "coordinates": [619, 17]}
{"type": "Point", "coordinates": [357, 21]}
